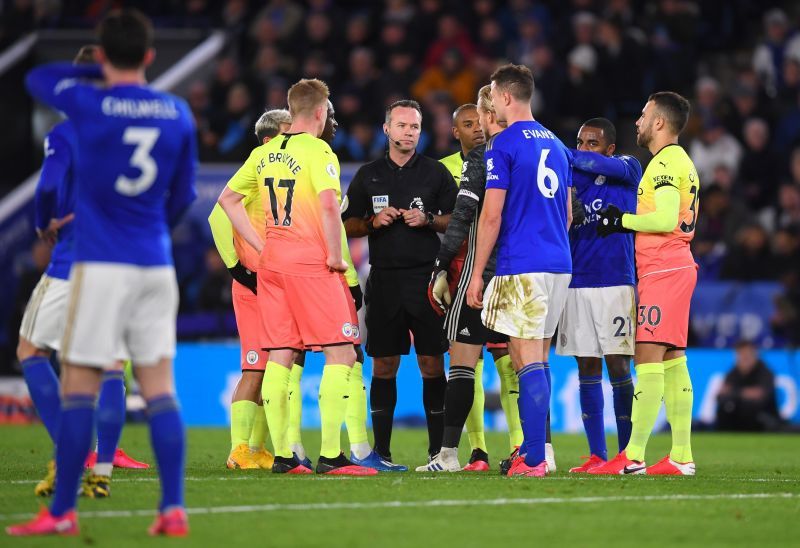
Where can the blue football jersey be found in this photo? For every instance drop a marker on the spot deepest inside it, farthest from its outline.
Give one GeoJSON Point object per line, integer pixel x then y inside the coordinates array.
{"type": "Point", "coordinates": [533, 166]}
{"type": "Point", "coordinates": [55, 194]}
{"type": "Point", "coordinates": [598, 181]}
{"type": "Point", "coordinates": [135, 172]}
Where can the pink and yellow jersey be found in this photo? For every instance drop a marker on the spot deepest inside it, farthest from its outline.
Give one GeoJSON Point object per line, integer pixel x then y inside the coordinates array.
{"type": "Point", "coordinates": [665, 251]}
{"type": "Point", "coordinates": [290, 171]}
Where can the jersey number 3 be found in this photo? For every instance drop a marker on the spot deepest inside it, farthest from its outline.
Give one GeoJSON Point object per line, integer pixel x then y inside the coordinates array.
{"type": "Point", "coordinates": [144, 138]}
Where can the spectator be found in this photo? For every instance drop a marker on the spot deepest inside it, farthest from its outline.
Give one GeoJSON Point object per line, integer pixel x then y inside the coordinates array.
{"type": "Point", "coordinates": [786, 247]}
{"type": "Point", "coordinates": [234, 126]}
{"type": "Point", "coordinates": [716, 227]}
{"type": "Point", "coordinates": [451, 36]}
{"type": "Point", "coordinates": [745, 103]}
{"type": "Point", "coordinates": [621, 61]}
{"type": "Point", "coordinates": [759, 168]}
{"type": "Point", "coordinates": [747, 401]}
{"type": "Point", "coordinates": [225, 74]}
{"type": "Point", "coordinates": [714, 147]}
{"type": "Point", "coordinates": [751, 258]}
{"type": "Point", "coordinates": [362, 142]}
{"type": "Point", "coordinates": [399, 75]}
{"type": "Point", "coordinates": [530, 37]}
{"type": "Point", "coordinates": [582, 97]}
{"type": "Point", "coordinates": [450, 75]}
{"type": "Point", "coordinates": [707, 105]}
{"type": "Point", "coordinates": [789, 207]}
{"type": "Point", "coordinates": [214, 294]}
{"type": "Point", "coordinates": [284, 15]}
{"type": "Point", "coordinates": [786, 320]}
{"type": "Point", "coordinates": [363, 81]}
{"type": "Point", "coordinates": [768, 56]}
{"type": "Point", "coordinates": [549, 78]}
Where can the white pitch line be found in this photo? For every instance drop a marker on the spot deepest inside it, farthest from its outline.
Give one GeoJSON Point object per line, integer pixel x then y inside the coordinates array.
{"type": "Point", "coordinates": [304, 507]}
{"type": "Point", "coordinates": [436, 477]}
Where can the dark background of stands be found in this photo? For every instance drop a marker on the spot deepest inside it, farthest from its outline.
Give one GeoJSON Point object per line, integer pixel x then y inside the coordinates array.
{"type": "Point", "coordinates": [738, 62]}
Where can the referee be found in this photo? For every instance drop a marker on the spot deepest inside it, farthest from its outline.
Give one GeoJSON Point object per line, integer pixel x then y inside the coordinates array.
{"type": "Point", "coordinates": [401, 201]}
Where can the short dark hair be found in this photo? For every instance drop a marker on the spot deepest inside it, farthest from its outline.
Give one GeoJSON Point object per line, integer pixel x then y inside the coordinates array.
{"type": "Point", "coordinates": [407, 103]}
{"type": "Point", "coordinates": [462, 108]}
{"type": "Point", "coordinates": [125, 36]}
{"type": "Point", "coordinates": [673, 107]}
{"type": "Point", "coordinates": [514, 79]}
{"type": "Point", "coordinates": [609, 131]}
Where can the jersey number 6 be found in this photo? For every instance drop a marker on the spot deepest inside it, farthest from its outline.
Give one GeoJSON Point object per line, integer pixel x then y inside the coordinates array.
{"type": "Point", "coordinates": [144, 138]}
{"type": "Point", "coordinates": [545, 174]}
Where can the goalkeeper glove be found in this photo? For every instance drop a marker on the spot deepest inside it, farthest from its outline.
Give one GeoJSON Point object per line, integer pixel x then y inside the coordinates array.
{"type": "Point", "coordinates": [439, 289]}
{"type": "Point", "coordinates": [578, 211]}
{"type": "Point", "coordinates": [609, 221]}
{"type": "Point", "coordinates": [358, 296]}
{"type": "Point", "coordinates": [244, 276]}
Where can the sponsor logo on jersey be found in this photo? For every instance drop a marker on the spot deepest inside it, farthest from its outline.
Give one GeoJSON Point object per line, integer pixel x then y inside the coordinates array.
{"type": "Point", "coordinates": [379, 203]}
{"type": "Point", "coordinates": [490, 164]}
{"type": "Point", "coordinates": [417, 203]}
{"type": "Point", "coordinates": [331, 169]}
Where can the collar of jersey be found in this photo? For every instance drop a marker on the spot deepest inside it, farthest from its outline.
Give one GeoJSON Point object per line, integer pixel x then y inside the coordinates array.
{"type": "Point", "coordinates": [410, 163]}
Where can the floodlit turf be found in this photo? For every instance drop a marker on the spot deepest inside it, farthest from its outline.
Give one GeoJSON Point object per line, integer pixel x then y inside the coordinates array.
{"type": "Point", "coordinates": [747, 492]}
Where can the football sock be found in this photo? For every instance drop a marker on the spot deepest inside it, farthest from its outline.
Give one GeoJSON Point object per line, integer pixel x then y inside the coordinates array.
{"type": "Point", "coordinates": [509, 393]}
{"type": "Point", "coordinates": [169, 446]}
{"type": "Point", "coordinates": [43, 387]}
{"type": "Point", "coordinates": [382, 401]}
{"type": "Point", "coordinates": [243, 415]}
{"type": "Point", "coordinates": [623, 399]}
{"type": "Point", "coordinates": [647, 396]}
{"type": "Point", "coordinates": [73, 443]}
{"type": "Point", "coordinates": [534, 402]}
{"type": "Point", "coordinates": [678, 399]}
{"type": "Point", "coordinates": [548, 437]}
{"type": "Point", "coordinates": [110, 417]}
{"type": "Point", "coordinates": [275, 393]}
{"type": "Point", "coordinates": [433, 390]}
{"type": "Point", "coordinates": [474, 422]}
{"type": "Point", "coordinates": [356, 414]}
{"type": "Point", "coordinates": [457, 403]}
{"type": "Point", "coordinates": [295, 411]}
{"type": "Point", "coordinates": [259, 433]}
{"type": "Point", "coordinates": [591, 397]}
{"type": "Point", "coordinates": [333, 396]}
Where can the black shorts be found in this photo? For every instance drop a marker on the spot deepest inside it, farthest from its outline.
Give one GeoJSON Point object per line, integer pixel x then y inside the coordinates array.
{"type": "Point", "coordinates": [463, 324]}
{"type": "Point", "coordinates": [397, 302]}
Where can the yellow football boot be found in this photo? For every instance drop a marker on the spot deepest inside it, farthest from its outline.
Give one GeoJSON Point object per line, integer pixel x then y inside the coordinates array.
{"type": "Point", "coordinates": [47, 486]}
{"type": "Point", "coordinates": [241, 457]}
{"type": "Point", "coordinates": [263, 458]}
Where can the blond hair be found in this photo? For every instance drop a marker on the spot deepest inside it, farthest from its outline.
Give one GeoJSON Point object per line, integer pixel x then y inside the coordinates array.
{"type": "Point", "coordinates": [306, 96]}
{"type": "Point", "coordinates": [485, 99]}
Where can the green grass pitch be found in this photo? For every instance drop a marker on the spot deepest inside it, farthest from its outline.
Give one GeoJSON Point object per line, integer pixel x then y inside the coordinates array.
{"type": "Point", "coordinates": [747, 492]}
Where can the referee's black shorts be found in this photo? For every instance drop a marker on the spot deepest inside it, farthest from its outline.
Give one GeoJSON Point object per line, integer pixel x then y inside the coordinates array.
{"type": "Point", "coordinates": [463, 323]}
{"type": "Point", "coordinates": [397, 303]}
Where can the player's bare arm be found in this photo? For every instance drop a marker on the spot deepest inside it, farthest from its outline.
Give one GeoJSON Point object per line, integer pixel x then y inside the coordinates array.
{"type": "Point", "coordinates": [332, 227]}
{"type": "Point", "coordinates": [488, 229]}
{"type": "Point", "coordinates": [231, 202]}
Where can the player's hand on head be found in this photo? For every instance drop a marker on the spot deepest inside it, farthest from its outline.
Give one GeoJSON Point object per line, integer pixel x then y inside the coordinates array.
{"type": "Point", "coordinates": [336, 264]}
{"type": "Point", "coordinates": [609, 221]}
{"type": "Point", "coordinates": [358, 296]}
{"type": "Point", "coordinates": [244, 276]}
{"type": "Point", "coordinates": [475, 293]}
{"type": "Point", "coordinates": [439, 290]}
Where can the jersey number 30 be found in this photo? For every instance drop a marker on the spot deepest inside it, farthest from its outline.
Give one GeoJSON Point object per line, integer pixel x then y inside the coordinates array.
{"type": "Point", "coordinates": [144, 138]}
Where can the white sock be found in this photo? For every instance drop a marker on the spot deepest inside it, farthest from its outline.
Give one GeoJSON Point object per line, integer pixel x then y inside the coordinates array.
{"type": "Point", "coordinates": [299, 450]}
{"type": "Point", "coordinates": [360, 450]}
{"type": "Point", "coordinates": [103, 469]}
{"type": "Point", "coordinates": [449, 453]}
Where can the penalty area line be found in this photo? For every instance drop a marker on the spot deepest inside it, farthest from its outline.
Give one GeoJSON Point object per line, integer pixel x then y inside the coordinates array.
{"type": "Point", "coordinates": [303, 507]}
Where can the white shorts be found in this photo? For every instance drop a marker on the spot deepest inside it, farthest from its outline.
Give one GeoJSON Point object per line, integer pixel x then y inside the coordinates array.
{"type": "Point", "coordinates": [120, 312]}
{"type": "Point", "coordinates": [598, 321]}
{"type": "Point", "coordinates": [525, 306]}
{"type": "Point", "coordinates": [43, 321]}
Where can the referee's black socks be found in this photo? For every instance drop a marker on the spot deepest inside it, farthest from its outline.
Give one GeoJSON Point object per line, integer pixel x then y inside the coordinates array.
{"type": "Point", "coordinates": [433, 392]}
{"type": "Point", "coordinates": [382, 401]}
{"type": "Point", "coordinates": [458, 402]}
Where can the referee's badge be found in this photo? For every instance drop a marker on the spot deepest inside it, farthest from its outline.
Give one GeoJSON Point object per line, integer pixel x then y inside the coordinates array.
{"type": "Point", "coordinates": [251, 357]}
{"type": "Point", "coordinates": [379, 203]}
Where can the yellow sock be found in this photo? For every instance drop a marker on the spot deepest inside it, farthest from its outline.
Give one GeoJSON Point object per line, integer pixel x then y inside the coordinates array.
{"type": "Point", "coordinates": [509, 393]}
{"type": "Point", "coordinates": [356, 414]}
{"type": "Point", "coordinates": [678, 399]}
{"type": "Point", "coordinates": [332, 407]}
{"type": "Point", "coordinates": [474, 422]}
{"type": "Point", "coordinates": [275, 392]}
{"type": "Point", "coordinates": [295, 406]}
{"type": "Point", "coordinates": [647, 396]}
{"type": "Point", "coordinates": [242, 417]}
{"type": "Point", "coordinates": [260, 431]}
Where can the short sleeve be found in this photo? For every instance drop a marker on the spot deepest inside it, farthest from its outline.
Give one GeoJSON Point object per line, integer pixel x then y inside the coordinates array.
{"type": "Point", "coordinates": [497, 169]}
{"type": "Point", "coordinates": [325, 171]}
{"type": "Point", "coordinates": [244, 181]}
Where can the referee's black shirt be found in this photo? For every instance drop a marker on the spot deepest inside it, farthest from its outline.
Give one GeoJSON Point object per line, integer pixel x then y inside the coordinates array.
{"type": "Point", "coordinates": [422, 183]}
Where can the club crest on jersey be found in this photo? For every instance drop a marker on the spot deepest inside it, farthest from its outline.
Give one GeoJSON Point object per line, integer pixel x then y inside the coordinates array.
{"type": "Point", "coordinates": [252, 357]}
{"type": "Point", "coordinates": [417, 203]}
{"type": "Point", "coordinates": [347, 329]}
{"type": "Point", "coordinates": [490, 164]}
{"type": "Point", "coordinates": [379, 203]}
{"type": "Point", "coordinates": [600, 180]}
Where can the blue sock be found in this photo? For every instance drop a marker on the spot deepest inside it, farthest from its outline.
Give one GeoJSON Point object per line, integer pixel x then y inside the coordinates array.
{"type": "Point", "coordinates": [591, 394]}
{"type": "Point", "coordinates": [623, 403]}
{"type": "Point", "coordinates": [534, 403]}
{"type": "Point", "coordinates": [110, 415]}
{"type": "Point", "coordinates": [72, 447]}
{"type": "Point", "coordinates": [43, 387]}
{"type": "Point", "coordinates": [169, 445]}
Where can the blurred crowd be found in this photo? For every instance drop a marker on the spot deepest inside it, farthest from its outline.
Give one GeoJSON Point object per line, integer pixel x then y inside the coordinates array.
{"type": "Point", "coordinates": [739, 63]}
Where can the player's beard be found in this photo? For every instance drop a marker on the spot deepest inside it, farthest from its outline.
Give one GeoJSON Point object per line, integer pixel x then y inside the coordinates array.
{"type": "Point", "coordinates": [644, 136]}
